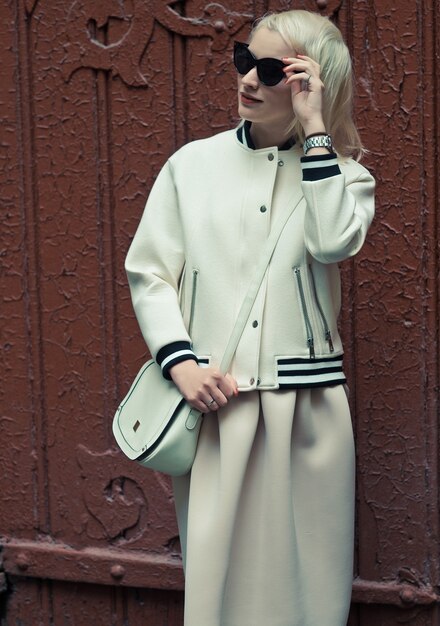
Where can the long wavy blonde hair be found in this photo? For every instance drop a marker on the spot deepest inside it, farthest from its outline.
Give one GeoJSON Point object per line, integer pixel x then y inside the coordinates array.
{"type": "Point", "coordinates": [317, 37]}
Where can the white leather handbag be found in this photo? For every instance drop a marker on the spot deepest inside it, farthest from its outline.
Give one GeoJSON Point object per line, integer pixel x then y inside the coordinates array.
{"type": "Point", "coordinates": [154, 425]}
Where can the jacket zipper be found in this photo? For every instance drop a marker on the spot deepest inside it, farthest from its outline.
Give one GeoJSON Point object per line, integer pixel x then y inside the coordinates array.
{"type": "Point", "coordinates": [195, 274]}
{"type": "Point", "coordinates": [309, 330]}
{"type": "Point", "coordinates": [327, 333]}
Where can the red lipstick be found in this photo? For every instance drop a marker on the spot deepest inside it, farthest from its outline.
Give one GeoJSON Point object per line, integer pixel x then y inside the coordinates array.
{"type": "Point", "coordinates": [248, 100]}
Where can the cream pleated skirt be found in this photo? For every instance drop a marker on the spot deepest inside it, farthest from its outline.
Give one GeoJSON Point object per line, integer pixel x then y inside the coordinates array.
{"type": "Point", "coordinates": [266, 517]}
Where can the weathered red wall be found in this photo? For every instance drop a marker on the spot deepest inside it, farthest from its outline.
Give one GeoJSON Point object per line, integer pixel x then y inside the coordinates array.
{"type": "Point", "coordinates": [95, 96]}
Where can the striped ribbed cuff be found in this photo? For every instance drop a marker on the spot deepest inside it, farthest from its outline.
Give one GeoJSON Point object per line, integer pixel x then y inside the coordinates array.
{"type": "Point", "coordinates": [172, 354]}
{"type": "Point", "coordinates": [301, 373]}
{"type": "Point", "coordinates": [319, 166]}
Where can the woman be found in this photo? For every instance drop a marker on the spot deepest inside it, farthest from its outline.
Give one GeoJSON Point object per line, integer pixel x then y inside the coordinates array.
{"type": "Point", "coordinates": [266, 514]}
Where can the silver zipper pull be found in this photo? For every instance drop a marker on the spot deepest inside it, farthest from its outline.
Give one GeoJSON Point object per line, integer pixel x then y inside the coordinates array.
{"type": "Point", "coordinates": [195, 274]}
{"type": "Point", "coordinates": [308, 324]}
{"type": "Point", "coordinates": [328, 337]}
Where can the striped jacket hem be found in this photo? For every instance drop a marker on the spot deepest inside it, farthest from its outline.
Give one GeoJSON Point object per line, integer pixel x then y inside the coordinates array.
{"type": "Point", "coordinates": [297, 373]}
{"type": "Point", "coordinates": [292, 373]}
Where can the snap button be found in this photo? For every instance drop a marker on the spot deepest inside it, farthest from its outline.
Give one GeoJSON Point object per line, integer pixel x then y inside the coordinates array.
{"type": "Point", "coordinates": [252, 380]}
{"type": "Point", "coordinates": [263, 209]}
{"type": "Point", "coordinates": [255, 323]}
{"type": "Point", "coordinates": [270, 156]}
{"type": "Point", "coordinates": [280, 163]}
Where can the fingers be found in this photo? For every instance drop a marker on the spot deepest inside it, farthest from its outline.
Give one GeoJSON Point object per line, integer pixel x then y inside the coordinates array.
{"type": "Point", "coordinates": [218, 396]}
{"type": "Point", "coordinates": [228, 386]}
{"type": "Point", "coordinates": [302, 67]}
{"type": "Point", "coordinates": [222, 389]}
{"type": "Point", "coordinates": [301, 63]}
{"type": "Point", "coordinates": [306, 82]}
{"type": "Point", "coordinates": [203, 402]}
{"type": "Point", "coordinates": [298, 77]}
{"type": "Point", "coordinates": [206, 394]}
{"type": "Point", "coordinates": [206, 389]}
{"type": "Point", "coordinates": [233, 382]}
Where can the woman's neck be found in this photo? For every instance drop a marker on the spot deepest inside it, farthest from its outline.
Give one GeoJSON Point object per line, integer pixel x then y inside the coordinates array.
{"type": "Point", "coordinates": [264, 136]}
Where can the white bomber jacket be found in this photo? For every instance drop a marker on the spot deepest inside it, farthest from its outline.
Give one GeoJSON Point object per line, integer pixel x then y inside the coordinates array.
{"type": "Point", "coordinates": [194, 254]}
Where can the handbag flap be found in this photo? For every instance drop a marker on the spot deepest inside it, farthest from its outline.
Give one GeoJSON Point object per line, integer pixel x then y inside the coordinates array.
{"type": "Point", "coordinates": [145, 411]}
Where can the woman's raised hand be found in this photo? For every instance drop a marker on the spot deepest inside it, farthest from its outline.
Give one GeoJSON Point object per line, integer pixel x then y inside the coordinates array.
{"type": "Point", "coordinates": [204, 388]}
{"type": "Point", "coordinates": [303, 76]}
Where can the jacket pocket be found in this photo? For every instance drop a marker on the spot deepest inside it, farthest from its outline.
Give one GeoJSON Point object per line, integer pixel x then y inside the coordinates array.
{"type": "Point", "coordinates": [195, 276]}
{"type": "Point", "coordinates": [305, 312]}
{"type": "Point", "coordinates": [327, 332]}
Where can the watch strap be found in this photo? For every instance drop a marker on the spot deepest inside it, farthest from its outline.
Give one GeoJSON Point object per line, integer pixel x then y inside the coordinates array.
{"type": "Point", "coordinates": [318, 140]}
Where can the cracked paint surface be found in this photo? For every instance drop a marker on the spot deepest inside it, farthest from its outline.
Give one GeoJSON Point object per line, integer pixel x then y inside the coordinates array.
{"type": "Point", "coordinates": [98, 94]}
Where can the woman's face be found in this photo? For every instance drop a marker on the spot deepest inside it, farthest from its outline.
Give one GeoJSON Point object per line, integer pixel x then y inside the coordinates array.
{"type": "Point", "coordinates": [270, 106]}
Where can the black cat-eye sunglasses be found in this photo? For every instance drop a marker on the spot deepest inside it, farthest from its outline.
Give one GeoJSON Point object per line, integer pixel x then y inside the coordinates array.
{"type": "Point", "coordinates": [269, 71]}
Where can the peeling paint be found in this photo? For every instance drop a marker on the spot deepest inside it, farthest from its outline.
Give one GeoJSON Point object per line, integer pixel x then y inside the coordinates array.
{"type": "Point", "coordinates": [97, 95]}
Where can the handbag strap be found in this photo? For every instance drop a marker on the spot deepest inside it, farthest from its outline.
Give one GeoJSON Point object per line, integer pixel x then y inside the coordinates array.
{"type": "Point", "coordinates": [248, 302]}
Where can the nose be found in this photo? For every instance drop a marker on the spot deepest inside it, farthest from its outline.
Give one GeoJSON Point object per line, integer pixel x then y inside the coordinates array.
{"type": "Point", "coordinates": [251, 79]}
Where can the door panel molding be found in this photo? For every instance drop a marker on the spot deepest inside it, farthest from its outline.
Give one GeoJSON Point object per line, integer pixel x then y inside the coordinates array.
{"type": "Point", "coordinates": [128, 568]}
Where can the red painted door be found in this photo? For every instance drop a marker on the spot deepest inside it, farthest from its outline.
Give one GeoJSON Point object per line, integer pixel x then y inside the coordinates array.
{"type": "Point", "coordinates": [95, 96]}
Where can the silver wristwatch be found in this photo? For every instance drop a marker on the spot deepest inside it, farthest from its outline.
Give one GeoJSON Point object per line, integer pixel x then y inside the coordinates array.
{"type": "Point", "coordinates": [318, 141]}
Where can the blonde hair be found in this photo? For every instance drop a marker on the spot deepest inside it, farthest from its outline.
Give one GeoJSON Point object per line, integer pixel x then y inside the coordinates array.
{"type": "Point", "coordinates": [317, 37]}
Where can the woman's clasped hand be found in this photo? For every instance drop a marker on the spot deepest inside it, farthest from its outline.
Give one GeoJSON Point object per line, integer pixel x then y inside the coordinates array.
{"type": "Point", "coordinates": [204, 388]}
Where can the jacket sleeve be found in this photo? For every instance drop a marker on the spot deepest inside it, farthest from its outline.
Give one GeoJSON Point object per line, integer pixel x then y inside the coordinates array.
{"type": "Point", "coordinates": [340, 207]}
{"type": "Point", "coordinates": [154, 265]}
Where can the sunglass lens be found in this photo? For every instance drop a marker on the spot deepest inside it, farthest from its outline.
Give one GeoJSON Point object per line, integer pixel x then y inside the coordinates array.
{"type": "Point", "coordinates": [270, 72]}
{"type": "Point", "coordinates": [243, 60]}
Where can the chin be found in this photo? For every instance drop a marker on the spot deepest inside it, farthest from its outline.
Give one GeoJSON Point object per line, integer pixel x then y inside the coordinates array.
{"type": "Point", "coordinates": [248, 113]}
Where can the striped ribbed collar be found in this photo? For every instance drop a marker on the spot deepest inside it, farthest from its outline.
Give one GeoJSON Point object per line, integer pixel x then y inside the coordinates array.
{"type": "Point", "coordinates": [244, 136]}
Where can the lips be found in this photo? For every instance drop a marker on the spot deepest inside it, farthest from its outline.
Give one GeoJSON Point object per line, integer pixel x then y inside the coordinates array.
{"type": "Point", "coordinates": [248, 97]}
